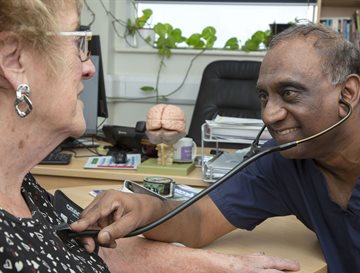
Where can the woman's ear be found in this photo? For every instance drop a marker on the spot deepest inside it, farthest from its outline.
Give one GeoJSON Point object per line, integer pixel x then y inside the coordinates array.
{"type": "Point", "coordinates": [11, 67]}
{"type": "Point", "coordinates": [350, 93]}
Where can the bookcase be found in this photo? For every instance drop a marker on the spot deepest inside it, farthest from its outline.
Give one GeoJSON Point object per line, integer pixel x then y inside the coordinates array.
{"type": "Point", "coordinates": [341, 15]}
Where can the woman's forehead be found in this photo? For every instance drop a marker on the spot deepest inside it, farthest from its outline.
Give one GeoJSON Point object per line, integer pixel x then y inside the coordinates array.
{"type": "Point", "coordinates": [68, 17]}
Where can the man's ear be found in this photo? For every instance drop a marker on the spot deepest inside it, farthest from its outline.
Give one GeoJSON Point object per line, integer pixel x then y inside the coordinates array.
{"type": "Point", "coordinates": [350, 93]}
{"type": "Point", "coordinates": [11, 67]}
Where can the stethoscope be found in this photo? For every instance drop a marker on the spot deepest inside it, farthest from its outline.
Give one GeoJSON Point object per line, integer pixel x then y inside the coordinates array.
{"type": "Point", "coordinates": [255, 152]}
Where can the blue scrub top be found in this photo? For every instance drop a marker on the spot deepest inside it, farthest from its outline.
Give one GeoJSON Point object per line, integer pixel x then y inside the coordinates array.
{"type": "Point", "coordinates": [276, 186]}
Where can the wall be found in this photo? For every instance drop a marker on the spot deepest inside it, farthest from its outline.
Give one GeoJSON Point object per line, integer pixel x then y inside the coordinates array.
{"type": "Point", "coordinates": [127, 69]}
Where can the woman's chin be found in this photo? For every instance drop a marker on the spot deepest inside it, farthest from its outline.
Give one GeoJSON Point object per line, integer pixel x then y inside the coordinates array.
{"type": "Point", "coordinates": [78, 129]}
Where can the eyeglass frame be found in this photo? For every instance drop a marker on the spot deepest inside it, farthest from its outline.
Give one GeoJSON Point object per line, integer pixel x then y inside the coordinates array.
{"type": "Point", "coordinates": [86, 35]}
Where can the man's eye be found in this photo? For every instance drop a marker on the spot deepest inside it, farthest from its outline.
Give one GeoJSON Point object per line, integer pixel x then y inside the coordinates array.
{"type": "Point", "coordinates": [262, 96]}
{"type": "Point", "coordinates": [288, 94]}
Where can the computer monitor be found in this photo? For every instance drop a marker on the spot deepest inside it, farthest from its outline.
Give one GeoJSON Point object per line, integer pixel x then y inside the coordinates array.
{"type": "Point", "coordinates": [94, 95]}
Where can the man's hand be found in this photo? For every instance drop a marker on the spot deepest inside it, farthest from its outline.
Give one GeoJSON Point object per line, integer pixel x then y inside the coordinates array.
{"type": "Point", "coordinates": [116, 214]}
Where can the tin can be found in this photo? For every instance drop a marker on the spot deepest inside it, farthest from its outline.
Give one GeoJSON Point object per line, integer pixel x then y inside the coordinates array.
{"type": "Point", "coordinates": [161, 185]}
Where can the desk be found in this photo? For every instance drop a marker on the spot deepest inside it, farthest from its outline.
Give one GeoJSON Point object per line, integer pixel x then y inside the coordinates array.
{"type": "Point", "coordinates": [280, 236]}
{"type": "Point", "coordinates": [74, 174]}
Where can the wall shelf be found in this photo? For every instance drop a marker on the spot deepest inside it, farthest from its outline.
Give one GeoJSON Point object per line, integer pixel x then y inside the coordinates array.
{"type": "Point", "coordinates": [341, 3]}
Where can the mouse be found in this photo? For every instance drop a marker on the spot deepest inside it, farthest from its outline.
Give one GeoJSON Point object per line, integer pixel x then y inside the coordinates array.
{"type": "Point", "coordinates": [119, 157]}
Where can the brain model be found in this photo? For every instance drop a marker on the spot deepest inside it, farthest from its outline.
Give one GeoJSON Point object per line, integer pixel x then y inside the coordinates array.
{"type": "Point", "coordinates": [165, 125]}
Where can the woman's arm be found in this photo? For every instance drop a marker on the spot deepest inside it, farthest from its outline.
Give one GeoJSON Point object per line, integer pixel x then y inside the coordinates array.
{"type": "Point", "coordinates": [137, 254]}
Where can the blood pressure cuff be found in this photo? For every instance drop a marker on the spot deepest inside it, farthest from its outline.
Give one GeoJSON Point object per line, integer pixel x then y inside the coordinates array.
{"type": "Point", "coordinates": [68, 210]}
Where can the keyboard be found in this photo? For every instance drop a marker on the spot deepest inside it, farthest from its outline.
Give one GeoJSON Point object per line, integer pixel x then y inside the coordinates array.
{"type": "Point", "coordinates": [57, 158]}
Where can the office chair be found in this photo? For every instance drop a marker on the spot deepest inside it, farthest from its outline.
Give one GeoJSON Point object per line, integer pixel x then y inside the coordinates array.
{"type": "Point", "coordinates": [227, 88]}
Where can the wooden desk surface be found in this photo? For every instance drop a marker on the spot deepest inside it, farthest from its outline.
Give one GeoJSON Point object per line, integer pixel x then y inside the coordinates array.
{"type": "Point", "coordinates": [280, 236]}
{"type": "Point", "coordinates": [74, 174]}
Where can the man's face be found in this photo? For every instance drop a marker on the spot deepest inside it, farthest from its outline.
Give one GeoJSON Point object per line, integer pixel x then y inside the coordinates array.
{"type": "Point", "coordinates": [298, 100]}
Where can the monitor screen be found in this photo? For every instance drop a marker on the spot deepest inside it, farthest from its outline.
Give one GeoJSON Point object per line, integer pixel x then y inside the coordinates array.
{"type": "Point", "coordinates": [94, 95]}
{"type": "Point", "coordinates": [96, 51]}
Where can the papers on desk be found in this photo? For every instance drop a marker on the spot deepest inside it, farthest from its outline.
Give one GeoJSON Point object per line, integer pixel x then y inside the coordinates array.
{"type": "Point", "coordinates": [106, 162]}
{"type": "Point", "coordinates": [236, 128]}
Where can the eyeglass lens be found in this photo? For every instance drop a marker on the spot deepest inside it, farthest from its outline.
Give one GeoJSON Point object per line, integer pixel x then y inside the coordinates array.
{"type": "Point", "coordinates": [84, 47]}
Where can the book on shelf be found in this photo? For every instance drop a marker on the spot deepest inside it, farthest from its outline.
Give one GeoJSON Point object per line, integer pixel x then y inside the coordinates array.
{"type": "Point", "coordinates": [356, 20]}
{"type": "Point", "coordinates": [343, 25]}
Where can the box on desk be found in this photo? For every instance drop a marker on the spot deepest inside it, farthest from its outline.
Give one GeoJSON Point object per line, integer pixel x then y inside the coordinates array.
{"type": "Point", "coordinates": [150, 166]}
{"type": "Point", "coordinates": [222, 164]}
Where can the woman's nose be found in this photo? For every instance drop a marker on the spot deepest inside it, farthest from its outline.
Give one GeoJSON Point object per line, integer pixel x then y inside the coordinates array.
{"type": "Point", "coordinates": [88, 70]}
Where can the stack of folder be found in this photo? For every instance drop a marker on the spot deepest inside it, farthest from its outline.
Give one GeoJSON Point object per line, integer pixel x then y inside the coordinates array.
{"type": "Point", "coordinates": [239, 130]}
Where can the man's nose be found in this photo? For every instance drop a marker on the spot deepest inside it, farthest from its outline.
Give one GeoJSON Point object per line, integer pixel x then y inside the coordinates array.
{"type": "Point", "coordinates": [273, 112]}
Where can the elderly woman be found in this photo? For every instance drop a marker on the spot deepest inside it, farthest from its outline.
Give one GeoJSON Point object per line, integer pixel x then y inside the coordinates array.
{"type": "Point", "coordinates": [43, 60]}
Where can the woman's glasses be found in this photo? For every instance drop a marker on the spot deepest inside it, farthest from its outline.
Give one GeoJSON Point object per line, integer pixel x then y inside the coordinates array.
{"type": "Point", "coordinates": [83, 42]}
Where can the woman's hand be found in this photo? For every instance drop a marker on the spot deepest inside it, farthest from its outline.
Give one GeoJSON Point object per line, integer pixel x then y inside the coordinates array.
{"type": "Point", "coordinates": [253, 263]}
{"type": "Point", "coordinates": [116, 214]}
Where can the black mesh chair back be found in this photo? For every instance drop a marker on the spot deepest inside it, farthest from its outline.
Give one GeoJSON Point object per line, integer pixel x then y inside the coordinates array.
{"type": "Point", "coordinates": [228, 88]}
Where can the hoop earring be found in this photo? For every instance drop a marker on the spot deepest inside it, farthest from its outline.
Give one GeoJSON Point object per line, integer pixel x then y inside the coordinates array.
{"type": "Point", "coordinates": [22, 100]}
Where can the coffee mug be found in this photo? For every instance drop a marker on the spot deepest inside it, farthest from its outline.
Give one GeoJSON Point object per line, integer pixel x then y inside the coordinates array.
{"type": "Point", "coordinates": [185, 150]}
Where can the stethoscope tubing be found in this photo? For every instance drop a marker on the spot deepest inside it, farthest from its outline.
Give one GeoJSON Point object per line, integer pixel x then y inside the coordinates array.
{"type": "Point", "coordinates": [255, 153]}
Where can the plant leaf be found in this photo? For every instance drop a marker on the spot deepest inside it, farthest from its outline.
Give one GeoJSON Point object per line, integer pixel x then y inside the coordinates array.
{"type": "Point", "coordinates": [208, 32]}
{"type": "Point", "coordinates": [194, 39]}
{"type": "Point", "coordinates": [232, 43]}
{"type": "Point", "coordinates": [147, 88]}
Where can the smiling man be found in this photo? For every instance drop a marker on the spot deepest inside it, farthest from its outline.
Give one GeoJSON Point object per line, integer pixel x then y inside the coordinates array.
{"type": "Point", "coordinates": [309, 81]}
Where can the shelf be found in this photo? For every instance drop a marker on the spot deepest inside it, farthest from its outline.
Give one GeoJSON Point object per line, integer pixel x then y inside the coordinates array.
{"type": "Point", "coordinates": [340, 3]}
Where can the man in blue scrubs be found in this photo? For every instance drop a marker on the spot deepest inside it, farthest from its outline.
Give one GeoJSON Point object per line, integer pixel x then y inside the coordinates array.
{"type": "Point", "coordinates": [307, 80]}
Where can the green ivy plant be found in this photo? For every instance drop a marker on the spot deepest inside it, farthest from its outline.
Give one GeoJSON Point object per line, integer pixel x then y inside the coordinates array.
{"type": "Point", "coordinates": [167, 38]}
{"type": "Point", "coordinates": [258, 39]}
{"type": "Point", "coordinates": [203, 40]}
{"type": "Point", "coordinates": [133, 26]}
